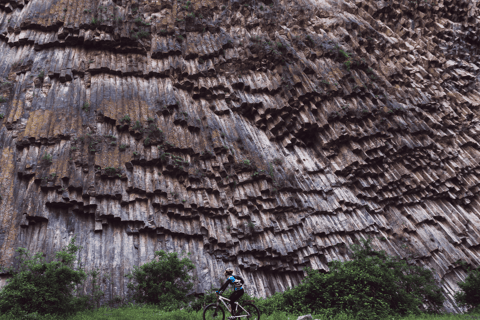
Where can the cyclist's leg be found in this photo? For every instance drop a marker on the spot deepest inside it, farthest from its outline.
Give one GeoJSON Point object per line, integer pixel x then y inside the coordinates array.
{"type": "Point", "coordinates": [234, 297]}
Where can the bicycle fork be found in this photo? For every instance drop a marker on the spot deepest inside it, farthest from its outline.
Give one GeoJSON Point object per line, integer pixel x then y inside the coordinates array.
{"type": "Point", "coordinates": [216, 308]}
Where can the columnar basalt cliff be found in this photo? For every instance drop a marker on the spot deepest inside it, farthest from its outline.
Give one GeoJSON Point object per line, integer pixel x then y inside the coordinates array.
{"type": "Point", "coordinates": [267, 136]}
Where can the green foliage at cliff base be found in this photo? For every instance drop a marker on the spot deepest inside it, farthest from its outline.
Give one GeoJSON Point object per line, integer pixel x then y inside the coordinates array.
{"type": "Point", "coordinates": [370, 286]}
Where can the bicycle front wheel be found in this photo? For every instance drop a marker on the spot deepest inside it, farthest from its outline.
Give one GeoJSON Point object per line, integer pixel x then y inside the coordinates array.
{"type": "Point", "coordinates": [253, 312]}
{"type": "Point", "coordinates": [213, 312]}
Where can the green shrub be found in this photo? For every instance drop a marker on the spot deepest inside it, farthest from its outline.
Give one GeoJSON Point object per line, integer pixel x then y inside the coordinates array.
{"type": "Point", "coordinates": [147, 141]}
{"type": "Point", "coordinates": [164, 281]}
{"type": "Point", "coordinates": [143, 34]}
{"type": "Point", "coordinates": [371, 286]}
{"type": "Point", "coordinates": [469, 296]}
{"type": "Point", "coordinates": [2, 116]}
{"type": "Point", "coordinates": [43, 287]}
{"type": "Point", "coordinates": [110, 171]}
{"type": "Point", "coordinates": [3, 99]}
{"type": "Point", "coordinates": [86, 106]}
{"type": "Point", "coordinates": [277, 161]}
{"type": "Point", "coordinates": [137, 125]}
{"type": "Point", "coordinates": [126, 118]}
{"type": "Point", "coordinates": [47, 158]}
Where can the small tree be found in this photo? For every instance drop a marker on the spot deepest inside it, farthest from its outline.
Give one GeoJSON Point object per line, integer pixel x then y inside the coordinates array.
{"type": "Point", "coordinates": [469, 296]}
{"type": "Point", "coordinates": [43, 287]}
{"type": "Point", "coordinates": [164, 281]}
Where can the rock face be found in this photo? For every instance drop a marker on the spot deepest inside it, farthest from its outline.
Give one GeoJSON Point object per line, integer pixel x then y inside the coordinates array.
{"type": "Point", "coordinates": [266, 136]}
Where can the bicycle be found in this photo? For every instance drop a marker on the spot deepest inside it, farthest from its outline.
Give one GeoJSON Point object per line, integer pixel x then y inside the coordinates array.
{"type": "Point", "coordinates": [215, 310]}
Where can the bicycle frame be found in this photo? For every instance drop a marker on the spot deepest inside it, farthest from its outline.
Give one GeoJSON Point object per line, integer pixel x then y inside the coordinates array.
{"type": "Point", "coordinates": [223, 299]}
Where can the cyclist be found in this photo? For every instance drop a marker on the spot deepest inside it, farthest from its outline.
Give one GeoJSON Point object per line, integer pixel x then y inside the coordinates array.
{"type": "Point", "coordinates": [238, 291]}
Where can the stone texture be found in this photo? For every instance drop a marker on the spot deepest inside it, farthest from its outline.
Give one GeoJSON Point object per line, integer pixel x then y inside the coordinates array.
{"type": "Point", "coordinates": [383, 143]}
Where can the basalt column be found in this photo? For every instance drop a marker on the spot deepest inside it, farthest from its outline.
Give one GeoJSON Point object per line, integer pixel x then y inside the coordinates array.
{"type": "Point", "coordinates": [264, 136]}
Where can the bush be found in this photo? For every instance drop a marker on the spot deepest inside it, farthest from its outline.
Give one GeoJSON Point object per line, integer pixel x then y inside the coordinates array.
{"type": "Point", "coordinates": [469, 296]}
{"type": "Point", "coordinates": [43, 287]}
{"type": "Point", "coordinates": [47, 158]}
{"type": "Point", "coordinates": [371, 286]}
{"type": "Point", "coordinates": [164, 281]}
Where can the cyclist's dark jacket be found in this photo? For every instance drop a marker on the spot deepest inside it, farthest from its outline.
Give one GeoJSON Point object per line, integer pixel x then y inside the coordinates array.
{"type": "Point", "coordinates": [234, 280]}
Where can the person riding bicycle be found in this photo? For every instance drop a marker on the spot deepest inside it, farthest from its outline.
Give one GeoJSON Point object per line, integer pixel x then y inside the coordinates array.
{"type": "Point", "coordinates": [237, 283]}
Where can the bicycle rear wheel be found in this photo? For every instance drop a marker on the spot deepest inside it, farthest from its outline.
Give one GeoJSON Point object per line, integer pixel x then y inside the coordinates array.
{"type": "Point", "coordinates": [254, 313]}
{"type": "Point", "coordinates": [213, 312]}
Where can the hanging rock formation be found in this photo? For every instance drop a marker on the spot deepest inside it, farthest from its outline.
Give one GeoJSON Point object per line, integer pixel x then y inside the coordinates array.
{"type": "Point", "coordinates": [266, 136]}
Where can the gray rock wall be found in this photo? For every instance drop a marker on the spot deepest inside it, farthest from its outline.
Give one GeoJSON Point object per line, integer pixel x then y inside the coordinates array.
{"type": "Point", "coordinates": [263, 136]}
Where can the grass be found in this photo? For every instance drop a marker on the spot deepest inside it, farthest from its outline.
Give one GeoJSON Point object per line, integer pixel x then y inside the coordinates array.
{"type": "Point", "coordinates": [149, 312]}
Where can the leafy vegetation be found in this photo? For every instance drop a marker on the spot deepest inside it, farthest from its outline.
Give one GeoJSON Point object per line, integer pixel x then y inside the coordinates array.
{"type": "Point", "coordinates": [41, 75]}
{"type": "Point", "coordinates": [164, 281]}
{"type": "Point", "coordinates": [147, 141]}
{"type": "Point", "coordinates": [3, 99]}
{"type": "Point", "coordinates": [277, 161]}
{"type": "Point", "coordinates": [126, 118]}
{"type": "Point", "coordinates": [86, 106]}
{"type": "Point", "coordinates": [469, 296]}
{"type": "Point", "coordinates": [47, 158]}
{"type": "Point", "coordinates": [137, 125]}
{"type": "Point", "coordinates": [141, 34]}
{"type": "Point", "coordinates": [43, 287]}
{"type": "Point", "coordinates": [370, 286]}
{"type": "Point", "coordinates": [2, 116]}
{"type": "Point", "coordinates": [110, 171]}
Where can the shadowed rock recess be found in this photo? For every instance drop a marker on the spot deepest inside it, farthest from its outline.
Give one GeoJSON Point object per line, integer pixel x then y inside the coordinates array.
{"type": "Point", "coordinates": [266, 136]}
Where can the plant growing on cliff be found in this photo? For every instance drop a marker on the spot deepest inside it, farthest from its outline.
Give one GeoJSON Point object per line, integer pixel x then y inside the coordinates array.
{"type": "Point", "coordinates": [246, 162]}
{"type": "Point", "coordinates": [41, 75]}
{"type": "Point", "coordinates": [47, 158]}
{"type": "Point", "coordinates": [3, 99]}
{"type": "Point", "coordinates": [147, 141]}
{"type": "Point", "coordinates": [277, 161]}
{"type": "Point", "coordinates": [164, 281]}
{"type": "Point", "coordinates": [86, 106]}
{"type": "Point", "coordinates": [2, 116]}
{"type": "Point", "coordinates": [122, 147]}
{"type": "Point", "coordinates": [43, 287]}
{"type": "Point", "coordinates": [142, 34]}
{"type": "Point", "coordinates": [126, 118]}
{"type": "Point", "coordinates": [110, 171]}
{"type": "Point", "coordinates": [137, 125]}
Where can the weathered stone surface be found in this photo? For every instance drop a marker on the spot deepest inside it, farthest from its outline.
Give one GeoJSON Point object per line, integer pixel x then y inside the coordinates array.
{"type": "Point", "coordinates": [384, 142]}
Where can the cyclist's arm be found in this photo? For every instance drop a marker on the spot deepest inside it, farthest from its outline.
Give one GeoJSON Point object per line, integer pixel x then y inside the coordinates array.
{"type": "Point", "coordinates": [225, 285]}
